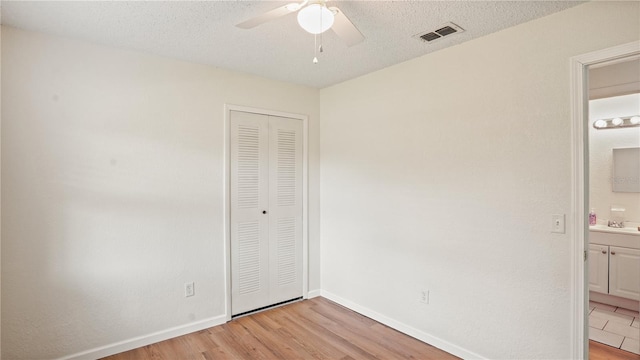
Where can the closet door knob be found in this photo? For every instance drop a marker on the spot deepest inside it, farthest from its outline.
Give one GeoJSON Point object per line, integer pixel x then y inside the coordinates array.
{"type": "Point", "coordinates": [264, 211]}
{"type": "Point", "coordinates": [604, 251]}
{"type": "Point", "coordinates": [613, 253]}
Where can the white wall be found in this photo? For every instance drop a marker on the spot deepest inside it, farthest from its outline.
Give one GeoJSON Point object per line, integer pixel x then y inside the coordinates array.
{"type": "Point", "coordinates": [601, 144]}
{"type": "Point", "coordinates": [112, 191]}
{"type": "Point", "coordinates": [442, 173]}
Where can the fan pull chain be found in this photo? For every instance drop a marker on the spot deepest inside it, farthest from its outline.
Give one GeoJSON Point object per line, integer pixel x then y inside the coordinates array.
{"type": "Point", "coordinates": [315, 48]}
{"type": "Point", "coordinates": [315, 43]}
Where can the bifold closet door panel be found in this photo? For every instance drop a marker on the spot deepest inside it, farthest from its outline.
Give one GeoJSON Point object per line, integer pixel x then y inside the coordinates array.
{"type": "Point", "coordinates": [249, 228]}
{"type": "Point", "coordinates": [285, 208]}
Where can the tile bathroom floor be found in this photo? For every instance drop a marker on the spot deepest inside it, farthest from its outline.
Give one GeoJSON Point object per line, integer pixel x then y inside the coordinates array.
{"type": "Point", "coordinates": [614, 326]}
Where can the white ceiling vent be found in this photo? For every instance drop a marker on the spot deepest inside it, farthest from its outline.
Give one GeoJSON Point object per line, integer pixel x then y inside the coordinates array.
{"type": "Point", "coordinates": [442, 31]}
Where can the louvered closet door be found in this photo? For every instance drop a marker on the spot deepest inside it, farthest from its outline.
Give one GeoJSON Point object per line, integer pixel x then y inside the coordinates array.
{"type": "Point", "coordinates": [285, 207]}
{"type": "Point", "coordinates": [266, 210]}
{"type": "Point", "coordinates": [249, 198]}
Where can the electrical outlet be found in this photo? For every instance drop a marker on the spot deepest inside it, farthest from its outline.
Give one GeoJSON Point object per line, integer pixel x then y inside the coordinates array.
{"type": "Point", "coordinates": [188, 289]}
{"type": "Point", "coordinates": [424, 296]}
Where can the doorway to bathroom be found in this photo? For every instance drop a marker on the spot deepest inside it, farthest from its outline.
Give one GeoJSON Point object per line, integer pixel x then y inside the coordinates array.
{"type": "Point", "coordinates": [579, 227]}
{"type": "Point", "coordinates": [613, 261]}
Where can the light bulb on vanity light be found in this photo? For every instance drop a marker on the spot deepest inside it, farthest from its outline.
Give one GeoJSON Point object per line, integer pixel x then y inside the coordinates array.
{"type": "Point", "coordinates": [600, 124]}
{"type": "Point", "coordinates": [617, 121]}
{"type": "Point", "coordinates": [635, 120]}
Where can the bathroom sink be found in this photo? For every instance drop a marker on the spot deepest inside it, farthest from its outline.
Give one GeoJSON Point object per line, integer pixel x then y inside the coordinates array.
{"type": "Point", "coordinates": [607, 229]}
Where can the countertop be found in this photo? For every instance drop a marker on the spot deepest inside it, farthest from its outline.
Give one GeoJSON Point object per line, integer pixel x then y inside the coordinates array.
{"type": "Point", "coordinates": [629, 229]}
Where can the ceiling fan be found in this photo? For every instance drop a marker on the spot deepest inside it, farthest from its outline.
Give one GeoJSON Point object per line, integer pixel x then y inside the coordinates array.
{"type": "Point", "coordinates": [313, 16]}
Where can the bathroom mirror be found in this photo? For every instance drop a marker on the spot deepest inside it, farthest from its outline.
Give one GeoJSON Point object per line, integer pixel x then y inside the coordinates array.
{"type": "Point", "coordinates": [626, 170]}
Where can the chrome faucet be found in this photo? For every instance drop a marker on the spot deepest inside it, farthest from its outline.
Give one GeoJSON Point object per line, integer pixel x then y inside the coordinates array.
{"type": "Point", "coordinates": [615, 224]}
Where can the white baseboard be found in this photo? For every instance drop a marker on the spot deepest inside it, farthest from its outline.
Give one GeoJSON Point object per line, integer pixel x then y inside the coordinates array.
{"type": "Point", "coordinates": [403, 328]}
{"type": "Point", "coordinates": [145, 340]}
{"type": "Point", "coordinates": [170, 333]}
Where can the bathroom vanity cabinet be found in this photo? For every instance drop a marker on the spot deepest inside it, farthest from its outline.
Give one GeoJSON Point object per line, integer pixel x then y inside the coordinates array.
{"type": "Point", "coordinates": [614, 264]}
{"type": "Point", "coordinates": [614, 270]}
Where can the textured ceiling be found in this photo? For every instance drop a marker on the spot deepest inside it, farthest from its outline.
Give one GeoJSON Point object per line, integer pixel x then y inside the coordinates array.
{"type": "Point", "coordinates": [205, 32]}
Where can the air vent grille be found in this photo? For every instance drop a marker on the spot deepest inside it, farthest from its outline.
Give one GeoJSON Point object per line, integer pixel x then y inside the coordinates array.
{"type": "Point", "coordinates": [446, 31]}
{"type": "Point", "coordinates": [443, 30]}
{"type": "Point", "coordinates": [430, 36]}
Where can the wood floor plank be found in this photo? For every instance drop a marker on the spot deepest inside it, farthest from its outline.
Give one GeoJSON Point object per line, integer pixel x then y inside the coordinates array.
{"type": "Point", "coordinates": [227, 344]}
{"type": "Point", "coordinates": [356, 337]}
{"type": "Point", "coordinates": [325, 344]}
{"type": "Point", "coordinates": [293, 346]}
{"type": "Point", "coordinates": [245, 343]}
{"type": "Point", "coordinates": [376, 332]}
{"type": "Point", "coordinates": [404, 345]}
{"type": "Point", "coordinates": [315, 329]}
{"type": "Point", "coordinates": [152, 353]}
{"type": "Point", "coordinates": [309, 349]}
{"type": "Point", "coordinates": [598, 351]}
{"type": "Point", "coordinates": [174, 349]}
{"type": "Point", "coordinates": [339, 312]}
{"type": "Point", "coordinates": [281, 350]}
{"type": "Point", "coordinates": [135, 354]}
{"type": "Point", "coordinates": [267, 321]}
{"type": "Point", "coordinates": [200, 342]}
{"type": "Point", "coordinates": [222, 349]}
{"type": "Point", "coordinates": [276, 320]}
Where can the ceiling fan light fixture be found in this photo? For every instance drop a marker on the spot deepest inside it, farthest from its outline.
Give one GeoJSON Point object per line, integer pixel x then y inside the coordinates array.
{"type": "Point", "coordinates": [315, 18]}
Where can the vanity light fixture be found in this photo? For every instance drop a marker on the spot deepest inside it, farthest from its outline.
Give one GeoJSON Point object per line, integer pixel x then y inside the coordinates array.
{"type": "Point", "coordinates": [617, 123]}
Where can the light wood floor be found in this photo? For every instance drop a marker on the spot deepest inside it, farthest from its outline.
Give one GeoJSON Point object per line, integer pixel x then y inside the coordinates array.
{"type": "Point", "coordinates": [310, 329]}
{"type": "Point", "coordinates": [598, 351]}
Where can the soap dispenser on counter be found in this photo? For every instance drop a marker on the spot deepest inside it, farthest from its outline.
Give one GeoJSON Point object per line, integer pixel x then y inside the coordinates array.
{"type": "Point", "coordinates": [592, 217]}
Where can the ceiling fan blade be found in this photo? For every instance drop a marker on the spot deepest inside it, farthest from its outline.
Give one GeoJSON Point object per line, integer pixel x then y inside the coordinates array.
{"type": "Point", "coordinates": [269, 15]}
{"type": "Point", "coordinates": [345, 29]}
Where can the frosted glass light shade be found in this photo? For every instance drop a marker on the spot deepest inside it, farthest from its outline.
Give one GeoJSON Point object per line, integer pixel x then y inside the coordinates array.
{"type": "Point", "coordinates": [315, 18]}
{"type": "Point", "coordinates": [600, 124]}
{"type": "Point", "coordinates": [617, 121]}
{"type": "Point", "coordinates": [635, 120]}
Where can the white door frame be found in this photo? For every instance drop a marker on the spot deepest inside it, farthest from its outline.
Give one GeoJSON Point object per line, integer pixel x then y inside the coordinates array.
{"type": "Point", "coordinates": [580, 186]}
{"type": "Point", "coordinates": [227, 195]}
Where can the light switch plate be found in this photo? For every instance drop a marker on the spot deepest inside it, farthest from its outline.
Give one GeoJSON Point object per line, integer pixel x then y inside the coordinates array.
{"type": "Point", "coordinates": [557, 223]}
